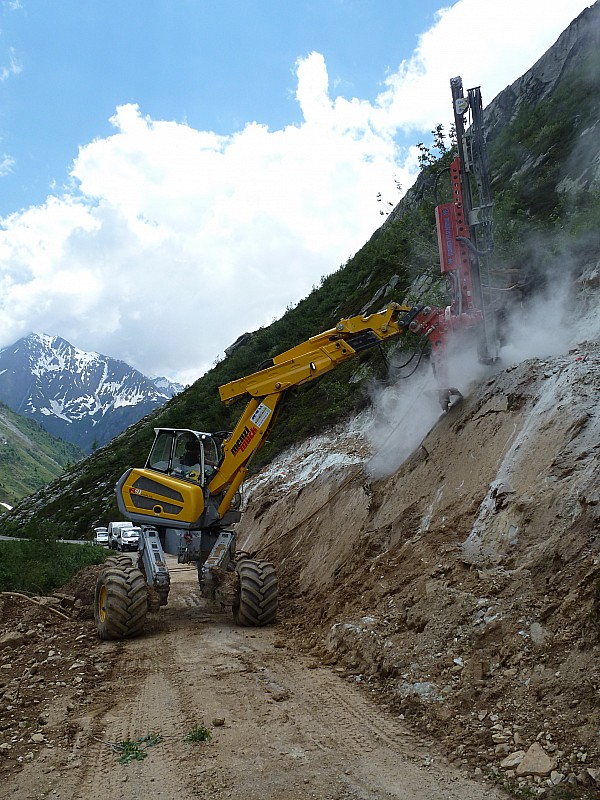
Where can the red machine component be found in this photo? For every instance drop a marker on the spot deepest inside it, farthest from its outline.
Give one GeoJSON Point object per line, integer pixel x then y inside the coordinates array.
{"type": "Point", "coordinates": [452, 232]}
{"type": "Point", "coordinates": [458, 224]}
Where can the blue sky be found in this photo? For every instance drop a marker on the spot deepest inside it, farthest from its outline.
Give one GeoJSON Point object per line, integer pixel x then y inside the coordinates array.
{"type": "Point", "coordinates": [215, 65]}
{"type": "Point", "coordinates": [182, 158]}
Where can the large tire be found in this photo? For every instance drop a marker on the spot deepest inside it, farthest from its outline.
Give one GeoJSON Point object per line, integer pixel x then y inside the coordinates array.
{"type": "Point", "coordinates": [118, 560]}
{"type": "Point", "coordinates": [120, 602]}
{"type": "Point", "coordinates": [257, 595]}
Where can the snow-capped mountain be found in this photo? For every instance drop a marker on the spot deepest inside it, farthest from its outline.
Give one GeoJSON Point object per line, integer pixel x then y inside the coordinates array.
{"type": "Point", "coordinates": [167, 387]}
{"type": "Point", "coordinates": [84, 398]}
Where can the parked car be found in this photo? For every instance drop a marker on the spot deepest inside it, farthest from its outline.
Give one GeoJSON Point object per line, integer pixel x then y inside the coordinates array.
{"type": "Point", "coordinates": [128, 539]}
{"type": "Point", "coordinates": [101, 536]}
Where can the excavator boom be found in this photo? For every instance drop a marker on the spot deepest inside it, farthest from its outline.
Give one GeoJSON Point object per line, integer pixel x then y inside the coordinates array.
{"type": "Point", "coordinates": [201, 501]}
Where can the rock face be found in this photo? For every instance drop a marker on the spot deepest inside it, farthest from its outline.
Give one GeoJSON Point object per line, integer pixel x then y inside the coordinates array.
{"type": "Point", "coordinates": [570, 65]}
{"type": "Point", "coordinates": [569, 56]}
{"type": "Point", "coordinates": [83, 398]}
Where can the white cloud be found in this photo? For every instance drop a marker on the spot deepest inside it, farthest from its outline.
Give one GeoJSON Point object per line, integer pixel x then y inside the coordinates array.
{"type": "Point", "coordinates": [6, 164]}
{"type": "Point", "coordinates": [489, 44]}
{"type": "Point", "coordinates": [12, 68]}
{"type": "Point", "coordinates": [172, 241]}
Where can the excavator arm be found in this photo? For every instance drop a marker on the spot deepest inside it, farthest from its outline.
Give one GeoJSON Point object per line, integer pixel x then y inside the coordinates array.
{"type": "Point", "coordinates": [158, 493]}
{"type": "Point", "coordinates": [319, 354]}
{"type": "Point", "coordinates": [301, 364]}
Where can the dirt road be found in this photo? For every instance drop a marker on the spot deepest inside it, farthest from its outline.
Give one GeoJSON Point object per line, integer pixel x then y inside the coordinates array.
{"type": "Point", "coordinates": [282, 726]}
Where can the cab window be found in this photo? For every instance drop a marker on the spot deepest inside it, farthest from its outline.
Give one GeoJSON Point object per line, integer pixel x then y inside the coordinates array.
{"type": "Point", "coordinates": [160, 457]}
{"type": "Point", "coordinates": [212, 455]}
{"type": "Point", "coordinates": [187, 458]}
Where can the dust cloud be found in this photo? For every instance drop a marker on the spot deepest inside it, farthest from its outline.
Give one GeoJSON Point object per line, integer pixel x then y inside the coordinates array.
{"type": "Point", "coordinates": [547, 324]}
{"type": "Point", "coordinates": [543, 326]}
{"type": "Point", "coordinates": [402, 414]}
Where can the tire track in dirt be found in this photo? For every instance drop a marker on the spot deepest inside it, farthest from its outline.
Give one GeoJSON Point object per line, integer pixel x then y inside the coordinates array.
{"type": "Point", "coordinates": [367, 752]}
{"type": "Point", "coordinates": [146, 689]}
{"type": "Point", "coordinates": [160, 680]}
{"type": "Point", "coordinates": [282, 729]}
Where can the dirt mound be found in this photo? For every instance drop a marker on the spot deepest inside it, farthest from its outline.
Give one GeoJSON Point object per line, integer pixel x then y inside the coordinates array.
{"type": "Point", "coordinates": [464, 590]}
{"type": "Point", "coordinates": [51, 667]}
{"type": "Point", "coordinates": [82, 588]}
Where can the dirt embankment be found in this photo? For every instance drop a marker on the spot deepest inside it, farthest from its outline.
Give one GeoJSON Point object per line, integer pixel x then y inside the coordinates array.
{"type": "Point", "coordinates": [464, 590]}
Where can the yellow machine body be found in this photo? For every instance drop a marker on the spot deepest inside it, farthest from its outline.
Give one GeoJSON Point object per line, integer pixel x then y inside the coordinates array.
{"type": "Point", "coordinates": [148, 496]}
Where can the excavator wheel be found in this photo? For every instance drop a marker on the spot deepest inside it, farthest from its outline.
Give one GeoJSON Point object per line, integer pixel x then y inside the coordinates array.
{"type": "Point", "coordinates": [121, 601]}
{"type": "Point", "coordinates": [257, 595]}
{"type": "Point", "coordinates": [118, 561]}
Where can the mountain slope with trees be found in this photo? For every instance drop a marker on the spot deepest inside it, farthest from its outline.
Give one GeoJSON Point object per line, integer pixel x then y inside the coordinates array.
{"type": "Point", "coordinates": [30, 457]}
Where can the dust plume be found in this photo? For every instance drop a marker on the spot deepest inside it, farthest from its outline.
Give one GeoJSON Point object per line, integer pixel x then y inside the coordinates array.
{"type": "Point", "coordinates": [404, 412]}
{"type": "Point", "coordinates": [563, 312]}
{"type": "Point", "coordinates": [560, 310]}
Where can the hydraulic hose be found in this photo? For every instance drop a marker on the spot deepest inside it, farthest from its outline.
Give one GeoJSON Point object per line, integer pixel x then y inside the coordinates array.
{"type": "Point", "coordinates": [472, 247]}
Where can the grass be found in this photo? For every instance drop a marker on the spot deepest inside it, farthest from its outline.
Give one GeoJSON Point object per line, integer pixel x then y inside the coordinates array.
{"type": "Point", "coordinates": [135, 750]}
{"type": "Point", "coordinates": [198, 734]}
{"type": "Point", "coordinates": [42, 565]}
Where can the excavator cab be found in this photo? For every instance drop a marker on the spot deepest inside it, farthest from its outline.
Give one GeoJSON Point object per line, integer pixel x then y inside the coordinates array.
{"type": "Point", "coordinates": [185, 454]}
{"type": "Point", "coordinates": [172, 488]}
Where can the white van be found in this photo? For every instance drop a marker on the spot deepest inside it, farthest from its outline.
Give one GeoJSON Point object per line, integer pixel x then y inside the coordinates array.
{"type": "Point", "coordinates": [128, 539]}
{"type": "Point", "coordinates": [114, 530]}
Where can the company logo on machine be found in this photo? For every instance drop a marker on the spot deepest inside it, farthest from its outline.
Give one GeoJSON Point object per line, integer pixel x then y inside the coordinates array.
{"type": "Point", "coordinates": [261, 415]}
{"type": "Point", "coordinates": [244, 440]}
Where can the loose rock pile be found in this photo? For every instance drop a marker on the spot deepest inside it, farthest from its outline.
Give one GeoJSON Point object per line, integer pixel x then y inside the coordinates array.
{"type": "Point", "coordinates": [50, 668]}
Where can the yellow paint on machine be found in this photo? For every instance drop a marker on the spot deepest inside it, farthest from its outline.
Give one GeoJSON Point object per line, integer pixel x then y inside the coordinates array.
{"type": "Point", "coordinates": [162, 497]}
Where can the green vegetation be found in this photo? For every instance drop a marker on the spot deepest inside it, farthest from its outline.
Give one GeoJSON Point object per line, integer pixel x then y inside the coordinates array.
{"type": "Point", "coordinates": [198, 734]}
{"type": "Point", "coordinates": [532, 158]}
{"type": "Point", "coordinates": [42, 564]}
{"type": "Point", "coordinates": [135, 750]}
{"type": "Point", "coordinates": [30, 457]}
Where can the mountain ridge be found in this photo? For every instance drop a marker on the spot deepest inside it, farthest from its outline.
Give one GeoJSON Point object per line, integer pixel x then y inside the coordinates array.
{"type": "Point", "coordinates": [83, 397]}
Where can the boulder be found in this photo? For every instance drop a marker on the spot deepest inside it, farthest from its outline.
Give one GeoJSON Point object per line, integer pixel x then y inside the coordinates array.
{"type": "Point", "coordinates": [536, 761]}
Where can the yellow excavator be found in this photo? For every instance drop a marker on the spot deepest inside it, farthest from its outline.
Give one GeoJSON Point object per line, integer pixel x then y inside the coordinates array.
{"type": "Point", "coordinates": [187, 496]}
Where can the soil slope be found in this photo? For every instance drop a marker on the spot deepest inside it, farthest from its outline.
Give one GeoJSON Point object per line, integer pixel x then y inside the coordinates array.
{"type": "Point", "coordinates": [464, 589]}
